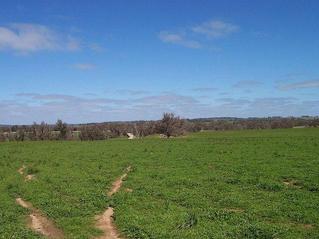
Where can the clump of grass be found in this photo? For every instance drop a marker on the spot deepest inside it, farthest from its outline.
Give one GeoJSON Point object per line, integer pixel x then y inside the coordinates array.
{"type": "Point", "coordinates": [136, 232]}
{"type": "Point", "coordinates": [254, 231]}
{"type": "Point", "coordinates": [274, 187]}
{"type": "Point", "coordinates": [32, 170]}
{"type": "Point", "coordinates": [190, 221]}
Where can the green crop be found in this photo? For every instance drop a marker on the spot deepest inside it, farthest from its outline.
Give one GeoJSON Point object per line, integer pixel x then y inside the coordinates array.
{"type": "Point", "coordinates": [234, 184]}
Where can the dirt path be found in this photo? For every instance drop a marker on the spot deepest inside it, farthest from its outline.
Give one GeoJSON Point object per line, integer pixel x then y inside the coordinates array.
{"type": "Point", "coordinates": [28, 177]}
{"type": "Point", "coordinates": [39, 223]}
{"type": "Point", "coordinates": [104, 222]}
{"type": "Point", "coordinates": [21, 170]}
{"type": "Point", "coordinates": [117, 184]}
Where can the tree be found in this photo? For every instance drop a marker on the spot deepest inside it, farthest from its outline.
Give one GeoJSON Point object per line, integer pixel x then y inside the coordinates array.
{"type": "Point", "coordinates": [171, 125]}
{"type": "Point", "coordinates": [20, 135]}
{"type": "Point", "coordinates": [62, 127]}
{"type": "Point", "coordinates": [43, 131]}
{"type": "Point", "coordinates": [92, 132]}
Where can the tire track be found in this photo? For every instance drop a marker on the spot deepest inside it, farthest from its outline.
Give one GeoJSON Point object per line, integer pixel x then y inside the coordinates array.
{"type": "Point", "coordinates": [104, 221]}
{"type": "Point", "coordinates": [40, 223]}
{"type": "Point", "coordinates": [37, 221]}
{"type": "Point", "coordinates": [28, 177]}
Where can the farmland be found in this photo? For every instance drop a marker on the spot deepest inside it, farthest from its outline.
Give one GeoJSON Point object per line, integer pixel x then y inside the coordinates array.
{"type": "Point", "coordinates": [234, 184]}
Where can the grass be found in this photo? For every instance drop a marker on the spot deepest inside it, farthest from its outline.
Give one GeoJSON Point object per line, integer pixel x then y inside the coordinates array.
{"type": "Point", "coordinates": [234, 184]}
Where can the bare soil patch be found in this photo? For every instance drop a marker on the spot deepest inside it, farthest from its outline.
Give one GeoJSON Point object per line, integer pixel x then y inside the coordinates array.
{"type": "Point", "coordinates": [23, 203]}
{"type": "Point", "coordinates": [40, 223]}
{"type": "Point", "coordinates": [21, 170]}
{"type": "Point", "coordinates": [29, 177]}
{"type": "Point", "coordinates": [292, 183]}
{"type": "Point", "coordinates": [128, 190]}
{"type": "Point", "coordinates": [308, 226]}
{"type": "Point", "coordinates": [105, 223]}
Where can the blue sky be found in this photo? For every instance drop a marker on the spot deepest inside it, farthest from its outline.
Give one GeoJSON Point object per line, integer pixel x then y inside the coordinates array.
{"type": "Point", "coordinates": [94, 61]}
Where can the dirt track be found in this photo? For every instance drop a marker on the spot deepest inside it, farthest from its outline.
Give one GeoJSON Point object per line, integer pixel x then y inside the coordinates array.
{"type": "Point", "coordinates": [104, 222]}
{"type": "Point", "coordinates": [28, 177]}
{"type": "Point", "coordinates": [40, 223]}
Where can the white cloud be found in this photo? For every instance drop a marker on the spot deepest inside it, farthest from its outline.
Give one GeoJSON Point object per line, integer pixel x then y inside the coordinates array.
{"type": "Point", "coordinates": [48, 107]}
{"type": "Point", "coordinates": [133, 92]}
{"type": "Point", "coordinates": [29, 107]}
{"type": "Point", "coordinates": [205, 89]}
{"type": "Point", "coordinates": [215, 28]}
{"type": "Point", "coordinates": [212, 29]}
{"type": "Point", "coordinates": [166, 100]}
{"type": "Point", "coordinates": [300, 85]}
{"type": "Point", "coordinates": [178, 39]}
{"type": "Point", "coordinates": [24, 38]}
{"type": "Point", "coordinates": [84, 66]}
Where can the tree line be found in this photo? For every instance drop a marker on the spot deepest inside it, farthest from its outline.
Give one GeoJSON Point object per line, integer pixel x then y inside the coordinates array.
{"type": "Point", "coordinates": [169, 126]}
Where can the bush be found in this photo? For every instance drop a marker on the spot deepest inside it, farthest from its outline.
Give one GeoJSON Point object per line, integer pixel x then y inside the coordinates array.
{"type": "Point", "coordinates": [171, 125]}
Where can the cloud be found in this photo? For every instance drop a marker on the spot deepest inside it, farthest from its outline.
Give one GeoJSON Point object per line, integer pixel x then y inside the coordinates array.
{"type": "Point", "coordinates": [24, 38]}
{"type": "Point", "coordinates": [167, 99]}
{"type": "Point", "coordinates": [247, 84]}
{"type": "Point", "coordinates": [273, 102]}
{"type": "Point", "coordinates": [233, 101]}
{"type": "Point", "coordinates": [133, 92]}
{"type": "Point", "coordinates": [300, 85]}
{"type": "Point", "coordinates": [224, 93]}
{"type": "Point", "coordinates": [204, 89]}
{"type": "Point", "coordinates": [28, 107]}
{"type": "Point", "coordinates": [212, 29]}
{"type": "Point", "coordinates": [178, 39]}
{"type": "Point", "coordinates": [35, 96]}
{"type": "Point", "coordinates": [68, 98]}
{"type": "Point", "coordinates": [84, 66]}
{"type": "Point", "coordinates": [215, 29]}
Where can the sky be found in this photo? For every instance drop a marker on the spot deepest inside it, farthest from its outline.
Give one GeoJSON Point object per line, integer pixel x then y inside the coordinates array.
{"type": "Point", "coordinates": [96, 61]}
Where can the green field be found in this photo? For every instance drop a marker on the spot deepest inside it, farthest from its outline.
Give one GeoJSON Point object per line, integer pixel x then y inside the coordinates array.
{"type": "Point", "coordinates": [240, 184]}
